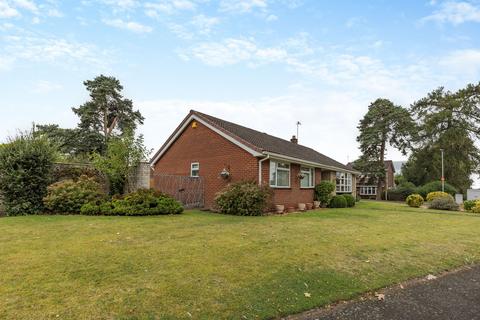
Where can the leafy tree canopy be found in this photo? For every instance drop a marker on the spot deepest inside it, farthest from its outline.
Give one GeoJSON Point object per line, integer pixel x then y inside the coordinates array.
{"type": "Point", "coordinates": [384, 124]}
{"type": "Point", "coordinates": [107, 112]}
{"type": "Point", "coordinates": [450, 121]}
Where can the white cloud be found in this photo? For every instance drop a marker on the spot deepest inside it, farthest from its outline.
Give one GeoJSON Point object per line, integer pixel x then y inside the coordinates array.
{"type": "Point", "coordinates": [26, 4]}
{"type": "Point", "coordinates": [242, 6]}
{"type": "Point", "coordinates": [271, 17]}
{"type": "Point", "coordinates": [156, 9]}
{"type": "Point", "coordinates": [462, 62]}
{"type": "Point", "coordinates": [204, 24]}
{"type": "Point", "coordinates": [54, 12]}
{"type": "Point", "coordinates": [7, 11]}
{"type": "Point", "coordinates": [46, 87]}
{"type": "Point", "coordinates": [28, 47]}
{"type": "Point", "coordinates": [128, 25]}
{"type": "Point", "coordinates": [455, 13]}
{"type": "Point", "coordinates": [121, 5]}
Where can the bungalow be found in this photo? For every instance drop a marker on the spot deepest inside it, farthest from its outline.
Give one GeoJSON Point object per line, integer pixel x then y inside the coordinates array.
{"type": "Point", "coordinates": [218, 152]}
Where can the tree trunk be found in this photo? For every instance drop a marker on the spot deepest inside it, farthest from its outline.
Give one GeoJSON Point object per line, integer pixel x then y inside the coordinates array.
{"type": "Point", "coordinates": [380, 181]}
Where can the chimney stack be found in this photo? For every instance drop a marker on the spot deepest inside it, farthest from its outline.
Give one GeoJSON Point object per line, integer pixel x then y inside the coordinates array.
{"type": "Point", "coordinates": [294, 140]}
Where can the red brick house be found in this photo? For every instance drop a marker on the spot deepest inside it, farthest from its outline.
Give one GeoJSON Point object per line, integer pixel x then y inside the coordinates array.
{"type": "Point", "coordinates": [220, 152]}
{"type": "Point", "coordinates": [367, 186]}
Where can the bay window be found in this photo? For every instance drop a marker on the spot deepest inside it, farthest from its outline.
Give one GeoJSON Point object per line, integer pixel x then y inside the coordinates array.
{"type": "Point", "coordinates": [279, 174]}
{"type": "Point", "coordinates": [344, 182]}
{"type": "Point", "coordinates": [308, 176]}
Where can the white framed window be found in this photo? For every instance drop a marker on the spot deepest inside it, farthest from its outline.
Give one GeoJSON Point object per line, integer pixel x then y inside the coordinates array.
{"type": "Point", "coordinates": [344, 182]}
{"type": "Point", "coordinates": [367, 190]}
{"type": "Point", "coordinates": [194, 169]}
{"type": "Point", "coordinates": [308, 180]}
{"type": "Point", "coordinates": [279, 174]}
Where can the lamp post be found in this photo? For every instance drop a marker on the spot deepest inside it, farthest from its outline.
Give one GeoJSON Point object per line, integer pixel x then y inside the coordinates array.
{"type": "Point", "coordinates": [443, 176]}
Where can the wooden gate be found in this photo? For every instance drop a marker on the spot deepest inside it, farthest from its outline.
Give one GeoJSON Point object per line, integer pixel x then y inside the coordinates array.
{"type": "Point", "coordinates": [187, 190]}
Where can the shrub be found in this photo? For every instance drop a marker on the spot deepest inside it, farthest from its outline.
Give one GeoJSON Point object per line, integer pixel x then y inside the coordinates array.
{"type": "Point", "coordinates": [444, 203]}
{"type": "Point", "coordinates": [243, 199]}
{"type": "Point", "coordinates": [143, 202]}
{"type": "Point", "coordinates": [436, 194]}
{"type": "Point", "coordinates": [68, 196]}
{"type": "Point", "coordinates": [414, 200]}
{"type": "Point", "coordinates": [323, 191]}
{"type": "Point", "coordinates": [401, 192]}
{"type": "Point", "coordinates": [25, 172]}
{"type": "Point", "coordinates": [350, 200]}
{"type": "Point", "coordinates": [476, 207]}
{"type": "Point", "coordinates": [469, 204]}
{"type": "Point", "coordinates": [435, 186]}
{"type": "Point", "coordinates": [338, 201]}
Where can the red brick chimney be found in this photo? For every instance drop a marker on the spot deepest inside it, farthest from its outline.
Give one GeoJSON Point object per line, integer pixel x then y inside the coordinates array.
{"type": "Point", "coordinates": [294, 140]}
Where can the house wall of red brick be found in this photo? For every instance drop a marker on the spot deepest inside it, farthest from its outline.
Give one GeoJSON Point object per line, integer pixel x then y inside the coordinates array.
{"type": "Point", "coordinates": [214, 153]}
{"type": "Point", "coordinates": [291, 197]}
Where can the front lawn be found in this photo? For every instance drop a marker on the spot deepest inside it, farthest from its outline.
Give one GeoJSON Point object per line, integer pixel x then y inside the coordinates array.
{"type": "Point", "coordinates": [208, 266]}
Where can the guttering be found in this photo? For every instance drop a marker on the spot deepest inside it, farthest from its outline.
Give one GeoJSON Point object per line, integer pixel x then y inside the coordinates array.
{"type": "Point", "coordinates": [260, 169]}
{"type": "Point", "coordinates": [309, 163]}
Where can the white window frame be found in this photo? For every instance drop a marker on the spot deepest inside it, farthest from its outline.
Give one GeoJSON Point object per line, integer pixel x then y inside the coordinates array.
{"type": "Point", "coordinates": [274, 168]}
{"type": "Point", "coordinates": [197, 169]}
{"type": "Point", "coordinates": [344, 182]}
{"type": "Point", "coordinates": [311, 172]}
{"type": "Point", "coordinates": [367, 190]}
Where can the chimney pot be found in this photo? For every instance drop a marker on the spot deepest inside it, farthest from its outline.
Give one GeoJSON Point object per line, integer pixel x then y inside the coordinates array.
{"type": "Point", "coordinates": [294, 140]}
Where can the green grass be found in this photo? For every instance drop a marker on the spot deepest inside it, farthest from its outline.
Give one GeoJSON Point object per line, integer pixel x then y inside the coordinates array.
{"type": "Point", "coordinates": [208, 266]}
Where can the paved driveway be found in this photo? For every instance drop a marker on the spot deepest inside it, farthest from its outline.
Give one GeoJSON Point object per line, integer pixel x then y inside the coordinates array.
{"type": "Point", "coordinates": [451, 296]}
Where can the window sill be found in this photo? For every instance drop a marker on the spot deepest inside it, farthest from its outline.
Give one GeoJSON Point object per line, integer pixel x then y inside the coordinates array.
{"type": "Point", "coordinates": [273, 187]}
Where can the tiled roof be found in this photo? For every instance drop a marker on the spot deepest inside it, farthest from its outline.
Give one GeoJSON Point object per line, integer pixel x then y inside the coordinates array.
{"type": "Point", "coordinates": [263, 142]}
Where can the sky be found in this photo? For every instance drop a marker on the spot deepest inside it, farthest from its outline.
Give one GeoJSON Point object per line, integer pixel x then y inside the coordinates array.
{"type": "Point", "coordinates": [265, 64]}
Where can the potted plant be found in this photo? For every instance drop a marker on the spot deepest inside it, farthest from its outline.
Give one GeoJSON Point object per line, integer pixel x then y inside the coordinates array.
{"type": "Point", "coordinates": [316, 204]}
{"type": "Point", "coordinates": [309, 206]}
{"type": "Point", "coordinates": [323, 192]}
{"type": "Point", "coordinates": [301, 206]}
{"type": "Point", "coordinates": [279, 208]}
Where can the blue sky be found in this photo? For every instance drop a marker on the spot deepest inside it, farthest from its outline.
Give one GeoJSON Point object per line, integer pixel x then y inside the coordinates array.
{"type": "Point", "coordinates": [261, 63]}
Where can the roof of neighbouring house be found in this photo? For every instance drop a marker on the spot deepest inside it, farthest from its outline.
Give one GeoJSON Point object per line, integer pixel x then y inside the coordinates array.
{"type": "Point", "coordinates": [260, 142]}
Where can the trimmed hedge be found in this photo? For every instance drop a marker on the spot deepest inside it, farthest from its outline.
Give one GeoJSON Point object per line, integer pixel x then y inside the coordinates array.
{"type": "Point", "coordinates": [143, 202]}
{"type": "Point", "coordinates": [350, 200]}
{"type": "Point", "coordinates": [244, 198]}
{"type": "Point", "coordinates": [338, 201]}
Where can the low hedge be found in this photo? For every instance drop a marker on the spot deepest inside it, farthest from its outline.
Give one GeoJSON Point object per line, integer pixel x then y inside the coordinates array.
{"type": "Point", "coordinates": [350, 200]}
{"type": "Point", "coordinates": [143, 202]}
{"type": "Point", "coordinates": [338, 201]}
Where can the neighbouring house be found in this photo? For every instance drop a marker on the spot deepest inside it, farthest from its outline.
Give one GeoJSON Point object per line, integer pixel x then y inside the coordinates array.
{"type": "Point", "coordinates": [204, 154]}
{"type": "Point", "coordinates": [367, 186]}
